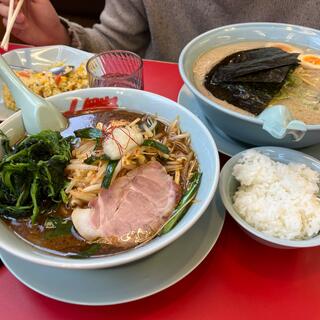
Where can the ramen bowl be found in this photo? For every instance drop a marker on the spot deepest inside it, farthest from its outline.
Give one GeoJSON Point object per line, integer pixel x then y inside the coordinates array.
{"type": "Point", "coordinates": [239, 126]}
{"type": "Point", "coordinates": [131, 100]}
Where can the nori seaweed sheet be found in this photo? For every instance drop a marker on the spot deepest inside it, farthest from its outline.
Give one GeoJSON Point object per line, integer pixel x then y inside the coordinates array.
{"type": "Point", "coordinates": [250, 79]}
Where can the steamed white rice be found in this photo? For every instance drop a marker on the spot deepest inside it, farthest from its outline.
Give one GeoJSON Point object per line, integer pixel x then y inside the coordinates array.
{"type": "Point", "coordinates": [277, 199]}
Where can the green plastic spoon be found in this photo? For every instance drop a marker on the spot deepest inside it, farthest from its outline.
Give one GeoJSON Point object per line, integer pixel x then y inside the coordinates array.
{"type": "Point", "coordinates": [38, 114]}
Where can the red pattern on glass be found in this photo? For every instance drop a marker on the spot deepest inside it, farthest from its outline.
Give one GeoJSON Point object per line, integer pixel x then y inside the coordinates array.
{"type": "Point", "coordinates": [116, 68]}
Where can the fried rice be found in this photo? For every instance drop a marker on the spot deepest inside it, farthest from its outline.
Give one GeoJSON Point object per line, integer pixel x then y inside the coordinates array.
{"type": "Point", "coordinates": [47, 84]}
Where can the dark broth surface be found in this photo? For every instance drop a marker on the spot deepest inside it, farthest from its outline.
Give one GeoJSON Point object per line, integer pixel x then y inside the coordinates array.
{"type": "Point", "coordinates": [65, 240]}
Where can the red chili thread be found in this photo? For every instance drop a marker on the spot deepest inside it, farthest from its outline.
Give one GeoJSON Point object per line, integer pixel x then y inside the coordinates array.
{"type": "Point", "coordinates": [108, 133]}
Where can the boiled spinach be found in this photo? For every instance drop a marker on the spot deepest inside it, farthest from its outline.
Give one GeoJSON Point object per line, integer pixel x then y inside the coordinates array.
{"type": "Point", "coordinates": [32, 173]}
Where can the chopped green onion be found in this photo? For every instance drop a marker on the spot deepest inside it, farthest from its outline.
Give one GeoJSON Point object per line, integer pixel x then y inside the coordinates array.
{"type": "Point", "coordinates": [88, 252]}
{"type": "Point", "coordinates": [89, 133]}
{"type": "Point", "coordinates": [158, 145]}
{"type": "Point", "coordinates": [93, 159]}
{"type": "Point", "coordinates": [109, 173]}
{"type": "Point", "coordinates": [56, 227]}
{"type": "Point", "coordinates": [184, 203]}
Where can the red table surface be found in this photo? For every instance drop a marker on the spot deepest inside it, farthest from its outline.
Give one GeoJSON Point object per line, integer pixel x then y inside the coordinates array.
{"type": "Point", "coordinates": [240, 278]}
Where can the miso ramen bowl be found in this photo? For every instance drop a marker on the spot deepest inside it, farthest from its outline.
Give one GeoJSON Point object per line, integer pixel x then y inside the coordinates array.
{"type": "Point", "coordinates": [239, 126]}
{"type": "Point", "coordinates": [130, 100]}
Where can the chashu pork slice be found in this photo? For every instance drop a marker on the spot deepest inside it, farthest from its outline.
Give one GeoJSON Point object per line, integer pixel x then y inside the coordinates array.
{"type": "Point", "coordinates": [132, 209]}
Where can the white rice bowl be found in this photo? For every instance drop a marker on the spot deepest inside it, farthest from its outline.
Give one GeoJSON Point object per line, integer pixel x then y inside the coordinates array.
{"type": "Point", "coordinates": [276, 198]}
{"type": "Point", "coordinates": [269, 228]}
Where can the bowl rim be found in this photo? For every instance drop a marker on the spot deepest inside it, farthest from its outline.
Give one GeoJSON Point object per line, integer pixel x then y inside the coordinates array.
{"type": "Point", "coordinates": [43, 257]}
{"type": "Point", "coordinates": [202, 97]}
{"type": "Point", "coordinates": [227, 172]}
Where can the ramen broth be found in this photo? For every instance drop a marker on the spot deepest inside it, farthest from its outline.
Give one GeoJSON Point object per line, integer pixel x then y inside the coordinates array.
{"type": "Point", "coordinates": [300, 93]}
{"type": "Point", "coordinates": [70, 243]}
{"type": "Point", "coordinates": [53, 230]}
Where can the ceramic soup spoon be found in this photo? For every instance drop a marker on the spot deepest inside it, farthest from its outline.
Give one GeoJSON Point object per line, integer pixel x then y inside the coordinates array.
{"type": "Point", "coordinates": [279, 122]}
{"type": "Point", "coordinates": [37, 113]}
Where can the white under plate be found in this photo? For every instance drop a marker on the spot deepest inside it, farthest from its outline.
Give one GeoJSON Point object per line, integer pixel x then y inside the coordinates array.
{"type": "Point", "coordinates": [41, 58]}
{"type": "Point", "coordinates": [225, 144]}
{"type": "Point", "coordinates": [129, 282]}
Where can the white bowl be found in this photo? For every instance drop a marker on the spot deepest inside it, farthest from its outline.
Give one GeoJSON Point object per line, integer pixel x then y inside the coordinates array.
{"type": "Point", "coordinates": [135, 100]}
{"type": "Point", "coordinates": [228, 186]}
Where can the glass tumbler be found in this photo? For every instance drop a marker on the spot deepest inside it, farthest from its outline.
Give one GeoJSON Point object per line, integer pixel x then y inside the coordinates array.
{"type": "Point", "coordinates": [115, 68]}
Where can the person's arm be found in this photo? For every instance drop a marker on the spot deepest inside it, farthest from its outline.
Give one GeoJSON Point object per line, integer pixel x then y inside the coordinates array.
{"type": "Point", "coordinates": [123, 25]}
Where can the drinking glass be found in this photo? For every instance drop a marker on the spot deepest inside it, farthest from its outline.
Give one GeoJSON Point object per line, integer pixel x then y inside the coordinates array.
{"type": "Point", "coordinates": [116, 68]}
